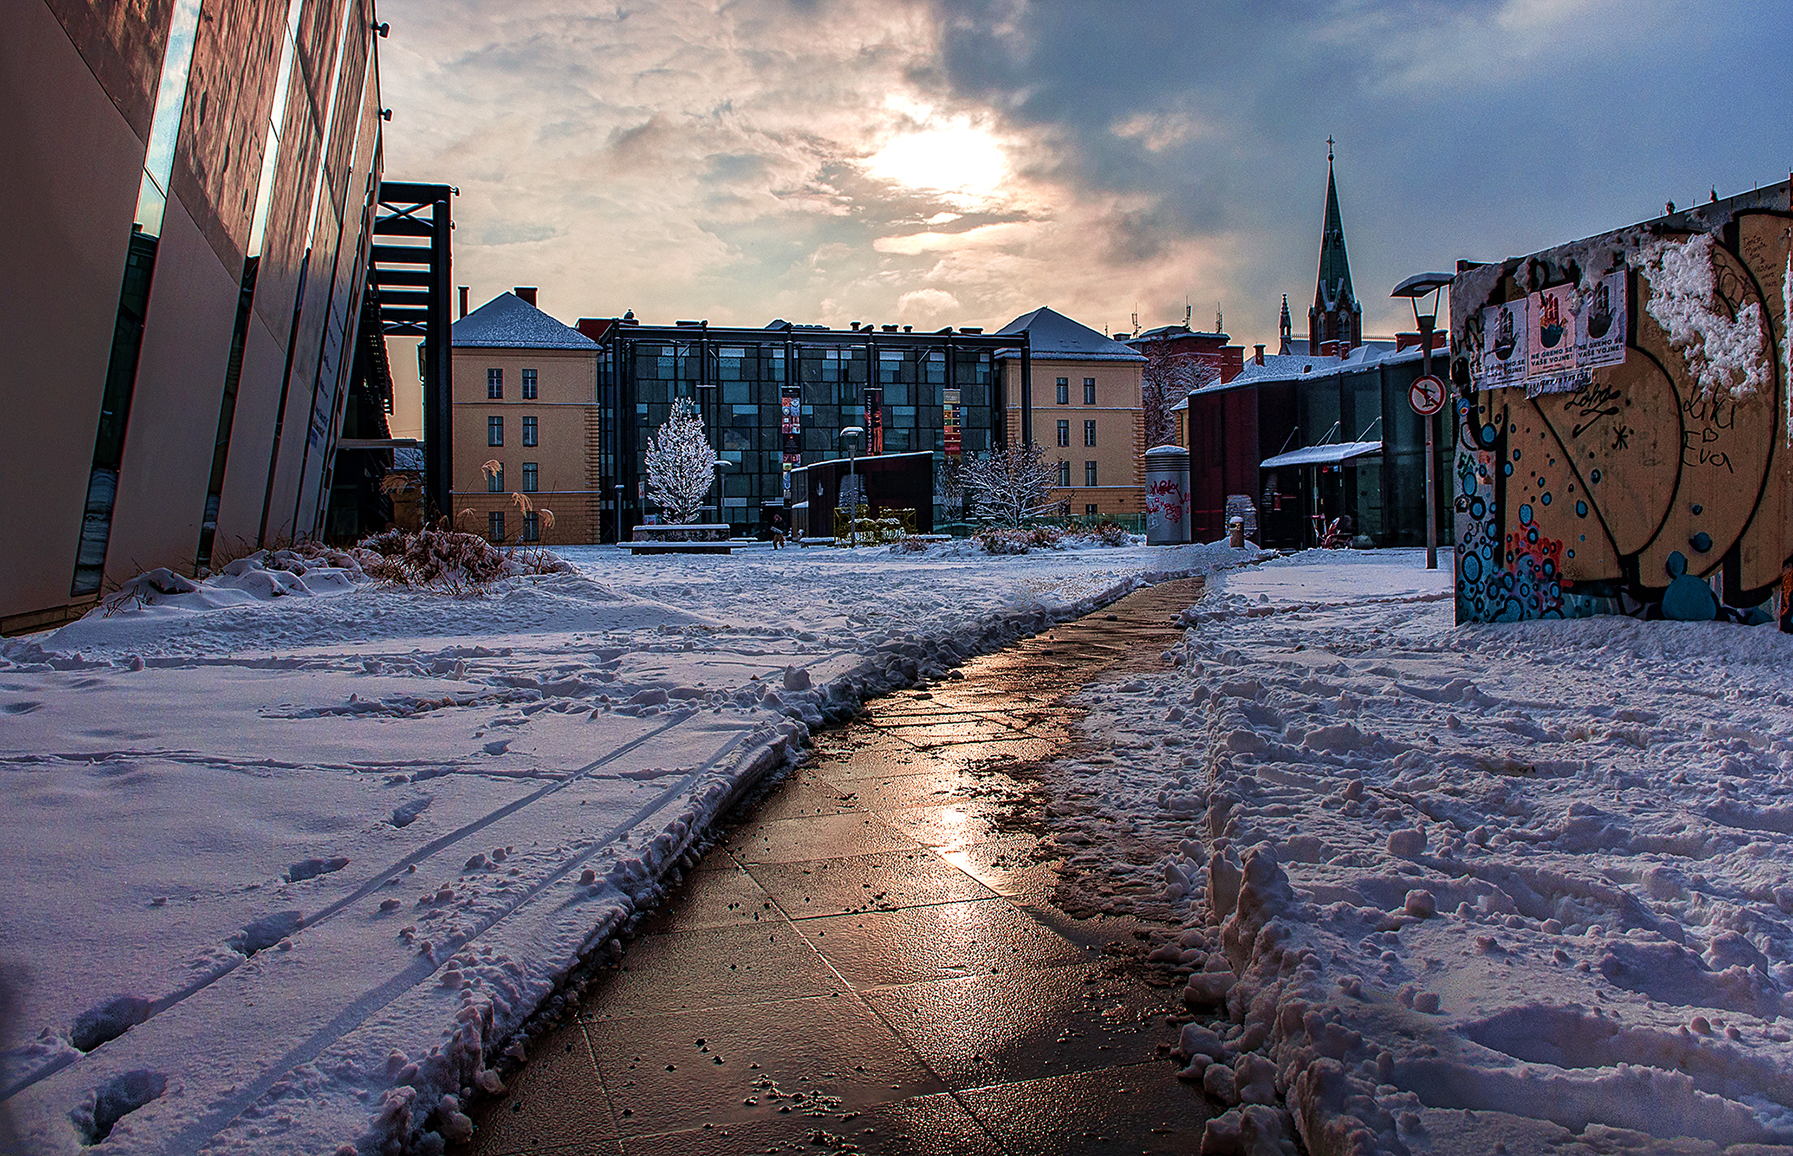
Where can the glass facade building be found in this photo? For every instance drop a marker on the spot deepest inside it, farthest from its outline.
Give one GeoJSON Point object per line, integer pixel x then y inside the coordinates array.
{"type": "Point", "coordinates": [739, 380]}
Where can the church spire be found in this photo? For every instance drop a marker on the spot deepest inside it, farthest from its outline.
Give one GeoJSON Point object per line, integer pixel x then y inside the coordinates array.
{"type": "Point", "coordinates": [1283, 328]}
{"type": "Point", "coordinates": [1335, 323]}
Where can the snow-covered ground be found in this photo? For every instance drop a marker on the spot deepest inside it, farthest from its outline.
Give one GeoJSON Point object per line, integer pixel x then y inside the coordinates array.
{"type": "Point", "coordinates": [1510, 888]}
{"type": "Point", "coordinates": [286, 857]}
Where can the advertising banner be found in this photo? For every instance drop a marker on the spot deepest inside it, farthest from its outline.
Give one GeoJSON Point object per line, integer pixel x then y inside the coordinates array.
{"type": "Point", "coordinates": [953, 443]}
{"type": "Point", "coordinates": [1553, 340]}
{"type": "Point", "coordinates": [874, 421]}
{"type": "Point", "coordinates": [790, 401]}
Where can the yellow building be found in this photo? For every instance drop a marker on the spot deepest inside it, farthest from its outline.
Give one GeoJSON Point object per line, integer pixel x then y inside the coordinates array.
{"type": "Point", "coordinates": [525, 398]}
{"type": "Point", "coordinates": [1086, 412]}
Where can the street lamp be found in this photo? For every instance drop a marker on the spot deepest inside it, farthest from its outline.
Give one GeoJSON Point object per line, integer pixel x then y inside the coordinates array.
{"type": "Point", "coordinates": [1415, 287]}
{"type": "Point", "coordinates": [851, 436]}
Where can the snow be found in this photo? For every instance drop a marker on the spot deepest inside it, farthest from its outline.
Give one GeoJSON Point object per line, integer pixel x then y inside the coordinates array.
{"type": "Point", "coordinates": [1726, 354]}
{"type": "Point", "coordinates": [1522, 884]}
{"type": "Point", "coordinates": [291, 855]}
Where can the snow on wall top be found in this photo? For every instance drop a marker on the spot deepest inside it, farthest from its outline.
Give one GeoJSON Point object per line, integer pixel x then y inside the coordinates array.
{"type": "Point", "coordinates": [509, 322]}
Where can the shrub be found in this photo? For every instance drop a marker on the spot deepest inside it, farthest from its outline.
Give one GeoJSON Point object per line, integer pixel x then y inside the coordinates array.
{"type": "Point", "coordinates": [448, 558]}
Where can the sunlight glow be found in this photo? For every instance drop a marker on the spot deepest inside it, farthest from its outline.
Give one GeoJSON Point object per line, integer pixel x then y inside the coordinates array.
{"type": "Point", "coordinates": [957, 157]}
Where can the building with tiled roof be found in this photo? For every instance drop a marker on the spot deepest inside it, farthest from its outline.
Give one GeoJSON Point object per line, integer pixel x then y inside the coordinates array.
{"type": "Point", "coordinates": [1083, 404]}
{"type": "Point", "coordinates": [526, 425]}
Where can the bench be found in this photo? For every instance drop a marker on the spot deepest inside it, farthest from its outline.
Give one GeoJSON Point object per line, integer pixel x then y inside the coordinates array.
{"type": "Point", "coordinates": [679, 547]}
{"type": "Point", "coordinates": [681, 532]}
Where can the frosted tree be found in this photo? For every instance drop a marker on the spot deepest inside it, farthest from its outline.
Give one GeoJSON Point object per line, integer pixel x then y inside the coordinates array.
{"type": "Point", "coordinates": [681, 466]}
{"type": "Point", "coordinates": [1010, 484]}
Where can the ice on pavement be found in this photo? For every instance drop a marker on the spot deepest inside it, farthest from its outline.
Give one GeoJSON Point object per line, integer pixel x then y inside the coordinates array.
{"type": "Point", "coordinates": [290, 854]}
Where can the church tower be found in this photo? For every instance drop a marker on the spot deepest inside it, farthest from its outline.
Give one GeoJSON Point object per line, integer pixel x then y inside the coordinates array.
{"type": "Point", "coordinates": [1335, 323]}
{"type": "Point", "coordinates": [1283, 329]}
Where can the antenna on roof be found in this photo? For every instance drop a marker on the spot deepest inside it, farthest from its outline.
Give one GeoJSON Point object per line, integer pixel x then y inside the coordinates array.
{"type": "Point", "coordinates": [1218, 326]}
{"type": "Point", "coordinates": [1188, 312]}
{"type": "Point", "coordinates": [1136, 319]}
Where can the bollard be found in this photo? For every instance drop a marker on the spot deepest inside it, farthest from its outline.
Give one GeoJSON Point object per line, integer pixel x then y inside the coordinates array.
{"type": "Point", "coordinates": [1235, 533]}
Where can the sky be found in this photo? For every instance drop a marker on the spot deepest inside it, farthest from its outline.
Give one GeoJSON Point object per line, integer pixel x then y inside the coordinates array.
{"type": "Point", "coordinates": [960, 162]}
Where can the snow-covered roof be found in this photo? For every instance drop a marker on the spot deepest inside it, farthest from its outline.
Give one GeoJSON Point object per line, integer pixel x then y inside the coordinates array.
{"type": "Point", "coordinates": [1168, 331]}
{"type": "Point", "coordinates": [509, 322]}
{"type": "Point", "coordinates": [1301, 366]}
{"type": "Point", "coordinates": [1051, 336]}
{"type": "Point", "coordinates": [1329, 455]}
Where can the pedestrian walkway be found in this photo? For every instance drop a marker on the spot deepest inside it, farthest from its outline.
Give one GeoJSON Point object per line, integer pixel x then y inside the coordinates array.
{"type": "Point", "coordinates": [873, 960]}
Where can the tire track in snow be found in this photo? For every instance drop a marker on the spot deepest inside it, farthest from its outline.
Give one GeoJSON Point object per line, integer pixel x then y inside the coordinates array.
{"type": "Point", "coordinates": [371, 1002]}
{"type": "Point", "coordinates": [163, 1003]}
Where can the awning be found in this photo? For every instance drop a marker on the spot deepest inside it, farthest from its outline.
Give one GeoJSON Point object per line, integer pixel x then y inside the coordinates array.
{"type": "Point", "coordinates": [1329, 455]}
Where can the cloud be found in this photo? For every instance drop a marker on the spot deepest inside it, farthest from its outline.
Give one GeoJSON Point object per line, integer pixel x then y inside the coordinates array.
{"type": "Point", "coordinates": [835, 160]}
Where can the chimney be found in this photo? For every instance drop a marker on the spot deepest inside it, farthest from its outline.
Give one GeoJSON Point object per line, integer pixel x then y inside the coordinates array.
{"type": "Point", "coordinates": [1408, 339]}
{"type": "Point", "coordinates": [463, 300]}
{"type": "Point", "coordinates": [1258, 356]}
{"type": "Point", "coordinates": [526, 292]}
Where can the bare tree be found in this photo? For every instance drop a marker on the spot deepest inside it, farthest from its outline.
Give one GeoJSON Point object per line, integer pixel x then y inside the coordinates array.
{"type": "Point", "coordinates": [1010, 484]}
{"type": "Point", "coordinates": [1166, 379]}
{"type": "Point", "coordinates": [681, 466]}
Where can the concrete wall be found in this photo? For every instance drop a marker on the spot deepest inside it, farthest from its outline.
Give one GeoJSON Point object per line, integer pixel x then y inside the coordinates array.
{"type": "Point", "coordinates": [1674, 466]}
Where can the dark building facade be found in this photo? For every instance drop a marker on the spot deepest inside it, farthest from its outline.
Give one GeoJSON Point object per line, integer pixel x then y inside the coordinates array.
{"type": "Point", "coordinates": [1297, 439]}
{"type": "Point", "coordinates": [188, 193]}
{"type": "Point", "coordinates": [777, 398]}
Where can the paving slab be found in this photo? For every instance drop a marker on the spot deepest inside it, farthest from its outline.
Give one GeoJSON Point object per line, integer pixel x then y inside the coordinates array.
{"type": "Point", "coordinates": [882, 956]}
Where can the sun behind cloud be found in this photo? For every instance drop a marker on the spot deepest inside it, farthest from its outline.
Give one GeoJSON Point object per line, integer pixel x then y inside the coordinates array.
{"type": "Point", "coordinates": [957, 157]}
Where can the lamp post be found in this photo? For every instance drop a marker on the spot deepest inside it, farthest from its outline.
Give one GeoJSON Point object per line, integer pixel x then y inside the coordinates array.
{"type": "Point", "coordinates": [850, 437]}
{"type": "Point", "coordinates": [619, 514]}
{"type": "Point", "coordinates": [1415, 287]}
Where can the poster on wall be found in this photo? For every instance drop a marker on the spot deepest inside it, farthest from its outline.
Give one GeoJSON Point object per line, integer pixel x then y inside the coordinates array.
{"type": "Point", "coordinates": [949, 417]}
{"type": "Point", "coordinates": [1552, 331]}
{"type": "Point", "coordinates": [1601, 326]}
{"type": "Point", "coordinates": [1504, 346]}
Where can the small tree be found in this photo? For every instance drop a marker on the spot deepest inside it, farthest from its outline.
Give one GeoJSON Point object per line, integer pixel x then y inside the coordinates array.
{"type": "Point", "coordinates": [1166, 379]}
{"type": "Point", "coordinates": [1010, 484]}
{"type": "Point", "coordinates": [681, 466]}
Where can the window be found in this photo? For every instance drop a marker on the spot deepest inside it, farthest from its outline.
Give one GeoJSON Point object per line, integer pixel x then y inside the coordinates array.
{"type": "Point", "coordinates": [1064, 472]}
{"type": "Point", "coordinates": [1064, 432]}
{"type": "Point", "coordinates": [1091, 510]}
{"type": "Point", "coordinates": [494, 431]}
{"type": "Point", "coordinates": [495, 525]}
{"type": "Point", "coordinates": [1064, 391]}
{"type": "Point", "coordinates": [529, 431]}
{"type": "Point", "coordinates": [494, 384]}
{"type": "Point", "coordinates": [529, 385]}
{"type": "Point", "coordinates": [1089, 432]}
{"type": "Point", "coordinates": [495, 480]}
{"type": "Point", "coordinates": [1089, 390]}
{"type": "Point", "coordinates": [1089, 473]}
{"type": "Point", "coordinates": [532, 527]}
{"type": "Point", "coordinates": [531, 477]}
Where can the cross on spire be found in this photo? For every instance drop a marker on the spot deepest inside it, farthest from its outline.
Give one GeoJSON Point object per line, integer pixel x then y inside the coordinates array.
{"type": "Point", "coordinates": [1329, 143]}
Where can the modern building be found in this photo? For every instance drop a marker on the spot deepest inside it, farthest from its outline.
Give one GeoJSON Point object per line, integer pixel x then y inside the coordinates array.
{"type": "Point", "coordinates": [526, 398]}
{"type": "Point", "coordinates": [777, 398]}
{"type": "Point", "coordinates": [1296, 439]}
{"type": "Point", "coordinates": [1076, 393]}
{"type": "Point", "coordinates": [188, 192]}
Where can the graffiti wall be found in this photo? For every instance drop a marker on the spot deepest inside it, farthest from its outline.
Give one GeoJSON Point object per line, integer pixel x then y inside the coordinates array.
{"type": "Point", "coordinates": [1623, 433]}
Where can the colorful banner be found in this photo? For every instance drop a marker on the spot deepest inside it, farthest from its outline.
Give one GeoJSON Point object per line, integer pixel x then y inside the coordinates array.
{"type": "Point", "coordinates": [950, 426]}
{"type": "Point", "coordinates": [790, 402]}
{"type": "Point", "coordinates": [874, 421]}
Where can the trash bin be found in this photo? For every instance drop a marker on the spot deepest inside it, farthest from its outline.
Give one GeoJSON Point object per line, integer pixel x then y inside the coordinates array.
{"type": "Point", "coordinates": [1167, 496]}
{"type": "Point", "coordinates": [1235, 533]}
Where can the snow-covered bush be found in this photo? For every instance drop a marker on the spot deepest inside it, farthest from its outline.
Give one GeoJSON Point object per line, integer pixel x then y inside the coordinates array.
{"type": "Point", "coordinates": [447, 558]}
{"type": "Point", "coordinates": [1019, 541]}
{"type": "Point", "coordinates": [1102, 534]}
{"type": "Point", "coordinates": [681, 466]}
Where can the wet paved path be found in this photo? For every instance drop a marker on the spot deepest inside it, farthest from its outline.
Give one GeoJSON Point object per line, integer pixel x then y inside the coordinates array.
{"type": "Point", "coordinates": [873, 960]}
